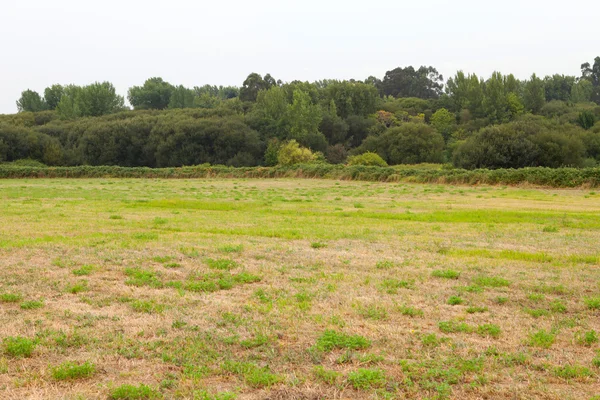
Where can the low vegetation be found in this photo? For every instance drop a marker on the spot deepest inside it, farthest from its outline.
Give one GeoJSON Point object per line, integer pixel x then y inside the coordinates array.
{"type": "Point", "coordinates": [221, 289]}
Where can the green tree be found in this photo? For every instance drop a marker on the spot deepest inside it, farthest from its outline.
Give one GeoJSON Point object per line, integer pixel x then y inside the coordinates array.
{"type": "Point", "coordinates": [495, 103]}
{"type": "Point", "coordinates": [292, 153]}
{"type": "Point", "coordinates": [253, 84]}
{"type": "Point", "coordinates": [582, 91]}
{"type": "Point", "coordinates": [99, 98]}
{"type": "Point", "coordinates": [534, 95]}
{"type": "Point", "coordinates": [409, 143]}
{"type": "Point", "coordinates": [303, 119]}
{"type": "Point", "coordinates": [444, 122]}
{"type": "Point", "coordinates": [154, 94]}
{"type": "Point", "coordinates": [591, 73]}
{"type": "Point", "coordinates": [424, 83]}
{"type": "Point", "coordinates": [52, 96]}
{"type": "Point", "coordinates": [181, 97]}
{"type": "Point", "coordinates": [30, 101]}
{"type": "Point", "coordinates": [558, 87]}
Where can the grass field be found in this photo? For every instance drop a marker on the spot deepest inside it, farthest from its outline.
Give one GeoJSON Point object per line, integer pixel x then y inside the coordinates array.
{"type": "Point", "coordinates": [297, 289]}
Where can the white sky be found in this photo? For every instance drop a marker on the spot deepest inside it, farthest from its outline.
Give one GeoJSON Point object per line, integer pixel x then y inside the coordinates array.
{"type": "Point", "coordinates": [220, 42]}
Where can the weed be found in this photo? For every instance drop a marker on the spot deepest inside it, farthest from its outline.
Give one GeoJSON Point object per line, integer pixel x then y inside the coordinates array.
{"type": "Point", "coordinates": [230, 248]}
{"type": "Point", "coordinates": [489, 330]}
{"type": "Point", "coordinates": [557, 306]}
{"type": "Point", "coordinates": [32, 304]}
{"type": "Point", "coordinates": [10, 297]}
{"type": "Point", "coordinates": [373, 311]}
{"type": "Point", "coordinates": [542, 339]}
{"type": "Point", "coordinates": [490, 281]}
{"type": "Point", "coordinates": [254, 375]}
{"type": "Point", "coordinates": [318, 245]}
{"type": "Point", "coordinates": [572, 372]}
{"type": "Point", "coordinates": [410, 311]}
{"type": "Point", "coordinates": [78, 287]}
{"type": "Point", "coordinates": [476, 309]}
{"type": "Point", "coordinates": [455, 300]}
{"type": "Point", "coordinates": [586, 338]}
{"type": "Point", "coordinates": [330, 340]}
{"type": "Point", "coordinates": [501, 300]}
{"type": "Point", "coordinates": [365, 379]}
{"type": "Point", "coordinates": [18, 346]}
{"type": "Point", "coordinates": [71, 370]}
{"type": "Point", "coordinates": [328, 376]}
{"type": "Point", "coordinates": [593, 303]}
{"type": "Point", "coordinates": [446, 274]}
{"type": "Point", "coordinates": [391, 285]}
{"type": "Point", "coordinates": [83, 270]}
{"type": "Point", "coordinates": [454, 327]}
{"type": "Point", "coordinates": [147, 306]}
{"type": "Point", "coordinates": [131, 392]}
{"type": "Point", "coordinates": [222, 264]}
{"type": "Point", "coordinates": [385, 264]}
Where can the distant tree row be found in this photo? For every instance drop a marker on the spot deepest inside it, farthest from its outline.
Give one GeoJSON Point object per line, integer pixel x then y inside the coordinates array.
{"type": "Point", "coordinates": [409, 116]}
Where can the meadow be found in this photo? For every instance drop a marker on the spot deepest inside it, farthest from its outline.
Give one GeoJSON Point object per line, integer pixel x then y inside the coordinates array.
{"type": "Point", "coordinates": [218, 289]}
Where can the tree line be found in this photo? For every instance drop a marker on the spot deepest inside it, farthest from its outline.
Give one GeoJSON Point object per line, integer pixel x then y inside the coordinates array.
{"type": "Point", "coordinates": [409, 116]}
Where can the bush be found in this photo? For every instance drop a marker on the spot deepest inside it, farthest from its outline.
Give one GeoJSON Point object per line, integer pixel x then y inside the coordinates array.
{"type": "Point", "coordinates": [368, 159]}
{"type": "Point", "coordinates": [291, 153]}
{"type": "Point", "coordinates": [409, 143]}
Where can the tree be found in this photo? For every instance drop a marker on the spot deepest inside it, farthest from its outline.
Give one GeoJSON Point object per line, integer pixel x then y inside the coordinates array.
{"type": "Point", "coordinates": [534, 94]}
{"type": "Point", "coordinates": [409, 143]}
{"type": "Point", "coordinates": [303, 119]}
{"type": "Point", "coordinates": [368, 159]}
{"type": "Point", "coordinates": [558, 87]}
{"type": "Point", "coordinates": [351, 98]}
{"type": "Point", "coordinates": [582, 91]}
{"type": "Point", "coordinates": [52, 96]}
{"type": "Point", "coordinates": [424, 83]}
{"type": "Point", "coordinates": [444, 122]}
{"type": "Point", "coordinates": [592, 74]}
{"type": "Point", "coordinates": [181, 97]}
{"type": "Point", "coordinates": [292, 153]}
{"type": "Point", "coordinates": [253, 84]}
{"type": "Point", "coordinates": [154, 94]}
{"type": "Point", "coordinates": [466, 92]}
{"type": "Point", "coordinates": [495, 103]}
{"type": "Point", "coordinates": [30, 101]}
{"type": "Point", "coordinates": [99, 98]}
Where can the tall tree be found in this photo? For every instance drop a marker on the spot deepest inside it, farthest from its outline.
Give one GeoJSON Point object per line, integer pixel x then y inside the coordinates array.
{"type": "Point", "coordinates": [558, 87]}
{"type": "Point", "coordinates": [425, 83]}
{"type": "Point", "coordinates": [592, 74]}
{"type": "Point", "coordinates": [52, 95]}
{"type": "Point", "coordinates": [154, 94]}
{"type": "Point", "coordinates": [534, 94]}
{"type": "Point", "coordinates": [181, 97]}
{"type": "Point", "coordinates": [31, 101]}
{"type": "Point", "coordinates": [253, 84]}
{"type": "Point", "coordinates": [495, 102]}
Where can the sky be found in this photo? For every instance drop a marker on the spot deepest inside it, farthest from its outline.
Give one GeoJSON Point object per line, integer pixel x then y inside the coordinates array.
{"type": "Point", "coordinates": [195, 42]}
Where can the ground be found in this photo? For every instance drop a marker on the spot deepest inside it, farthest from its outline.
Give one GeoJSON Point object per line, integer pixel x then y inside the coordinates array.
{"type": "Point", "coordinates": [297, 289]}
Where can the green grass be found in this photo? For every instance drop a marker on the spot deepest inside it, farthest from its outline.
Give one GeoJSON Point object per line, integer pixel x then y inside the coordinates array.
{"type": "Point", "coordinates": [17, 346]}
{"type": "Point", "coordinates": [364, 379]}
{"type": "Point", "coordinates": [331, 339]}
{"type": "Point", "coordinates": [210, 289]}
{"type": "Point", "coordinates": [572, 372]}
{"type": "Point", "coordinates": [131, 392]}
{"type": "Point", "coordinates": [83, 270]}
{"type": "Point", "coordinates": [490, 281]}
{"type": "Point", "coordinates": [32, 304]}
{"type": "Point", "coordinates": [10, 297]}
{"type": "Point", "coordinates": [446, 274]}
{"type": "Point", "coordinates": [541, 338]}
{"type": "Point", "coordinates": [455, 300]}
{"type": "Point", "coordinates": [593, 303]}
{"type": "Point", "coordinates": [70, 370]}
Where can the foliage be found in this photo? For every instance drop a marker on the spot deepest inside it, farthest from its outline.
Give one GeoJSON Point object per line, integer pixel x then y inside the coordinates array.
{"type": "Point", "coordinates": [368, 158]}
{"type": "Point", "coordinates": [292, 153]}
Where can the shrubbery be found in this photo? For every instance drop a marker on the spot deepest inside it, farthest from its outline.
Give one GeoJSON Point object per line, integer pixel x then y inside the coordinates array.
{"type": "Point", "coordinates": [368, 159]}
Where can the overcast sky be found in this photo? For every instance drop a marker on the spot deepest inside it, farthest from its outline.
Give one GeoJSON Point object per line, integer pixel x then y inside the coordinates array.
{"type": "Point", "coordinates": [193, 42]}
